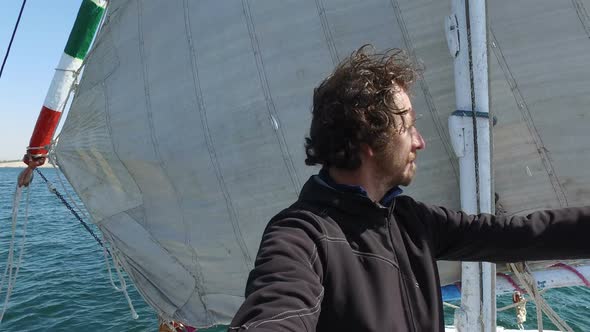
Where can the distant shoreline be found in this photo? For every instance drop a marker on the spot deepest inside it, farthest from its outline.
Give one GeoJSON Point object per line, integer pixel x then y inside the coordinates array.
{"type": "Point", "coordinates": [18, 164]}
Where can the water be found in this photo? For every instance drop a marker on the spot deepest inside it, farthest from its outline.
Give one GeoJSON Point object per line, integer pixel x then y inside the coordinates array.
{"type": "Point", "coordinates": [63, 284]}
{"type": "Point", "coordinates": [571, 304]}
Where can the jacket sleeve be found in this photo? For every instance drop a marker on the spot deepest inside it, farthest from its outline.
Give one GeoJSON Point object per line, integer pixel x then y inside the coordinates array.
{"type": "Point", "coordinates": [542, 235]}
{"type": "Point", "coordinates": [284, 290]}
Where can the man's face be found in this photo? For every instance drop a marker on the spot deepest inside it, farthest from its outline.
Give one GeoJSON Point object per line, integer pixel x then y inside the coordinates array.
{"type": "Point", "coordinates": [396, 162]}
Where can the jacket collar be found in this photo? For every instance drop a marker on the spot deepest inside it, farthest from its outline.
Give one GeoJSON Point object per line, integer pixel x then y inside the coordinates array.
{"type": "Point", "coordinates": [318, 192]}
{"type": "Point", "coordinates": [386, 200]}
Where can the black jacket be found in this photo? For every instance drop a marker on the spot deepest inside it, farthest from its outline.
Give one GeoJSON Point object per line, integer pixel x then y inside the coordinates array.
{"type": "Point", "coordinates": [337, 261]}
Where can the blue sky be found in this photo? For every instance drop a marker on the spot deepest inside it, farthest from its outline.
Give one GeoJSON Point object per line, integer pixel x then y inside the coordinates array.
{"type": "Point", "coordinates": [39, 42]}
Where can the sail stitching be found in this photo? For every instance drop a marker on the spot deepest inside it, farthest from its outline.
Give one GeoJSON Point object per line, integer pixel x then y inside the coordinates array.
{"type": "Point", "coordinates": [133, 268]}
{"type": "Point", "coordinates": [327, 31]}
{"type": "Point", "coordinates": [202, 109]}
{"type": "Point", "coordinates": [438, 125]}
{"type": "Point", "coordinates": [280, 134]}
{"type": "Point", "coordinates": [199, 288]}
{"type": "Point", "coordinates": [148, 105]}
{"type": "Point", "coordinates": [582, 15]}
{"type": "Point", "coordinates": [211, 148]}
{"type": "Point", "coordinates": [108, 125]}
{"type": "Point", "coordinates": [527, 117]}
{"type": "Point", "coordinates": [109, 128]}
{"type": "Point", "coordinates": [148, 108]}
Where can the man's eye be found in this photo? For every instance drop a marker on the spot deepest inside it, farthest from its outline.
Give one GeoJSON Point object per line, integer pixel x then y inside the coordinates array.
{"type": "Point", "coordinates": [416, 120]}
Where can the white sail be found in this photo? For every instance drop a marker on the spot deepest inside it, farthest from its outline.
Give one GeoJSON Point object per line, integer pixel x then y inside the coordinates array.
{"type": "Point", "coordinates": [186, 132]}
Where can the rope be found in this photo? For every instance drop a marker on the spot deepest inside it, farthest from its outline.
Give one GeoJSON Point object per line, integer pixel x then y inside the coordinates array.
{"type": "Point", "coordinates": [108, 264]}
{"type": "Point", "coordinates": [52, 189]}
{"type": "Point", "coordinates": [8, 272]}
{"type": "Point", "coordinates": [510, 306]}
{"type": "Point", "coordinates": [20, 14]}
{"type": "Point", "coordinates": [63, 200]}
{"type": "Point", "coordinates": [474, 108]}
{"type": "Point", "coordinates": [529, 283]}
{"type": "Point", "coordinates": [106, 251]}
{"type": "Point", "coordinates": [516, 304]}
{"type": "Point", "coordinates": [51, 153]}
{"type": "Point", "coordinates": [520, 314]}
{"type": "Point", "coordinates": [511, 281]}
{"type": "Point", "coordinates": [53, 161]}
{"type": "Point", "coordinates": [531, 289]}
{"type": "Point", "coordinates": [520, 304]}
{"type": "Point", "coordinates": [451, 305]}
{"type": "Point", "coordinates": [117, 265]}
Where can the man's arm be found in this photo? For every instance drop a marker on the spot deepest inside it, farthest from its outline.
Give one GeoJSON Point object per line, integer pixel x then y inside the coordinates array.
{"type": "Point", "coordinates": [284, 290]}
{"type": "Point", "coordinates": [542, 235]}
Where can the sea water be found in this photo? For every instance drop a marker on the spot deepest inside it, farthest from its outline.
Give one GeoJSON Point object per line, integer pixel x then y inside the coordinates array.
{"type": "Point", "coordinates": [63, 284]}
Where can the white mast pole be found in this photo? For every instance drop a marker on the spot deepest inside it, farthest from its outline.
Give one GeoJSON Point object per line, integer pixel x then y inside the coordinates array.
{"type": "Point", "coordinates": [469, 128]}
{"type": "Point", "coordinates": [480, 62]}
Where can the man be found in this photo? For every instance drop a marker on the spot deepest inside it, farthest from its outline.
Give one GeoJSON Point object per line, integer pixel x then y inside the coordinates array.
{"type": "Point", "coordinates": [353, 254]}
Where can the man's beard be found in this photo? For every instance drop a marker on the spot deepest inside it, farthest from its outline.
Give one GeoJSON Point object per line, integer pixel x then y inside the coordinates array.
{"type": "Point", "coordinates": [390, 169]}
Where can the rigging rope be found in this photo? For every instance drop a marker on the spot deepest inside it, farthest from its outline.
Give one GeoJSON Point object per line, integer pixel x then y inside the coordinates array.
{"type": "Point", "coordinates": [511, 281]}
{"type": "Point", "coordinates": [524, 275]}
{"type": "Point", "coordinates": [63, 200]}
{"type": "Point", "coordinates": [516, 304]}
{"type": "Point", "coordinates": [20, 14]}
{"type": "Point", "coordinates": [8, 271]}
{"type": "Point", "coordinates": [21, 183]}
{"type": "Point", "coordinates": [527, 280]}
{"type": "Point", "coordinates": [106, 252]}
{"type": "Point", "coordinates": [117, 265]}
{"type": "Point", "coordinates": [520, 304]}
{"type": "Point", "coordinates": [474, 108]}
{"type": "Point", "coordinates": [450, 305]}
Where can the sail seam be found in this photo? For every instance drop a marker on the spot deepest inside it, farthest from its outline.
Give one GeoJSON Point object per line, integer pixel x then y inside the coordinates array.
{"type": "Point", "coordinates": [523, 107]}
{"type": "Point", "coordinates": [582, 15]}
{"type": "Point", "coordinates": [148, 108]}
{"type": "Point", "coordinates": [211, 149]}
{"type": "Point", "coordinates": [132, 271]}
{"type": "Point", "coordinates": [327, 31]}
{"type": "Point", "coordinates": [270, 106]}
{"type": "Point", "coordinates": [199, 288]}
{"type": "Point", "coordinates": [434, 114]}
{"type": "Point", "coordinates": [133, 267]}
{"type": "Point", "coordinates": [202, 109]}
{"type": "Point", "coordinates": [109, 128]}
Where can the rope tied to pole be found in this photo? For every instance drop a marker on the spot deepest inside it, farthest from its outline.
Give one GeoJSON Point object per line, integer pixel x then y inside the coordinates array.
{"type": "Point", "coordinates": [526, 279]}
{"type": "Point", "coordinates": [520, 308]}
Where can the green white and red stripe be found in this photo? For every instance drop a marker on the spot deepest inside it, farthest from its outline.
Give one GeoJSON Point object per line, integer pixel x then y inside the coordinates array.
{"type": "Point", "coordinates": [87, 21]}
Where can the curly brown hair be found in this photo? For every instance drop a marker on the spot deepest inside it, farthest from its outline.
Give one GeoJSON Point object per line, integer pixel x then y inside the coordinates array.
{"type": "Point", "coordinates": [355, 105]}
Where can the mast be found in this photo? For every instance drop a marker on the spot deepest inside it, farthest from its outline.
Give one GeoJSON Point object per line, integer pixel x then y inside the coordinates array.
{"type": "Point", "coordinates": [85, 26]}
{"type": "Point", "coordinates": [469, 128]}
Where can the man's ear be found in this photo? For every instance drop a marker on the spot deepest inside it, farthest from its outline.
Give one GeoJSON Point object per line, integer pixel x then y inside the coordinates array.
{"type": "Point", "coordinates": [366, 151]}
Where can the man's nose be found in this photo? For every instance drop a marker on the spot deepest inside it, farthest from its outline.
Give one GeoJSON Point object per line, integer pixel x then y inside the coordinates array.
{"type": "Point", "coordinates": [419, 142]}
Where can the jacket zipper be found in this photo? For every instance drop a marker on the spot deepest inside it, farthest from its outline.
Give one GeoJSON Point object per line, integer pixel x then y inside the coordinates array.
{"type": "Point", "coordinates": [403, 277]}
